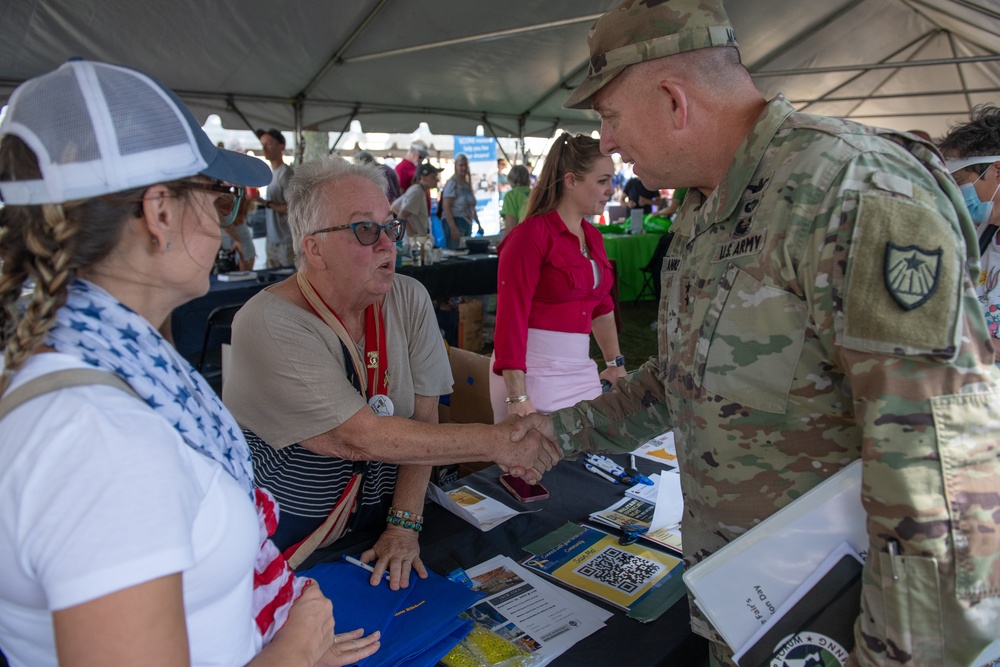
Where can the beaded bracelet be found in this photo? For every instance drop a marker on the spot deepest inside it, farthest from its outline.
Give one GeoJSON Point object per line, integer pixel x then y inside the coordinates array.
{"type": "Point", "coordinates": [405, 519]}
{"type": "Point", "coordinates": [515, 399]}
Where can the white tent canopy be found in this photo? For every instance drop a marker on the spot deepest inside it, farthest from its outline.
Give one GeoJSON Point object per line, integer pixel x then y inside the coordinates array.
{"type": "Point", "coordinates": [508, 66]}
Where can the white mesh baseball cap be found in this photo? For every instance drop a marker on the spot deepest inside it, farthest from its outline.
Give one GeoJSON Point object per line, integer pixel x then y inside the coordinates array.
{"type": "Point", "coordinates": [954, 164]}
{"type": "Point", "coordinates": [97, 129]}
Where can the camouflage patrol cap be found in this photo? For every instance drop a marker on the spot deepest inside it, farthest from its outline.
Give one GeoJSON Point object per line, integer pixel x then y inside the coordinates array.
{"type": "Point", "coordinates": [640, 30]}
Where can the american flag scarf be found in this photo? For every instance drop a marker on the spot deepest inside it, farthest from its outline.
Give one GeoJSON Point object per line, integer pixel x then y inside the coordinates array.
{"type": "Point", "coordinates": [105, 334]}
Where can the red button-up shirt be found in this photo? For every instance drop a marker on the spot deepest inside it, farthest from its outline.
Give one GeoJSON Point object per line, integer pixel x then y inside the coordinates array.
{"type": "Point", "coordinates": [545, 282]}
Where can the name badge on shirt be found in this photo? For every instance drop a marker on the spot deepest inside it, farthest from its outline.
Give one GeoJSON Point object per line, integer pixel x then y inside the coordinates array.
{"type": "Point", "coordinates": [381, 405]}
{"type": "Point", "coordinates": [748, 245]}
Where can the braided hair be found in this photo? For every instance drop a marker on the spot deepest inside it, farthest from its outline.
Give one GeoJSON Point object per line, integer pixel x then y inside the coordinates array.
{"type": "Point", "coordinates": [47, 245]}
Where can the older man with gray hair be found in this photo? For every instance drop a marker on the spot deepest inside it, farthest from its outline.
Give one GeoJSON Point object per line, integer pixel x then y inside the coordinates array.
{"type": "Point", "coordinates": [406, 170]}
{"type": "Point", "coordinates": [818, 308]}
{"type": "Point", "coordinates": [336, 376]}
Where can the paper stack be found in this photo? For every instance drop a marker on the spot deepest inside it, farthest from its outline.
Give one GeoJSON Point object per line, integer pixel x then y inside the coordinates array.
{"type": "Point", "coordinates": [639, 513]}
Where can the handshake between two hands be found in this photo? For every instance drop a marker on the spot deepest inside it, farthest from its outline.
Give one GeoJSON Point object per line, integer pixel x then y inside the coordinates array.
{"type": "Point", "coordinates": [531, 448]}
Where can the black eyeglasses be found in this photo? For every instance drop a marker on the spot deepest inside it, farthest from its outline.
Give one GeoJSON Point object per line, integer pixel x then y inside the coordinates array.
{"type": "Point", "coordinates": [227, 206]}
{"type": "Point", "coordinates": [367, 232]}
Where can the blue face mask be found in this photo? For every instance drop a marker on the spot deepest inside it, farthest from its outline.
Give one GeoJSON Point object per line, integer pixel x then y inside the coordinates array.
{"type": "Point", "coordinates": [979, 210]}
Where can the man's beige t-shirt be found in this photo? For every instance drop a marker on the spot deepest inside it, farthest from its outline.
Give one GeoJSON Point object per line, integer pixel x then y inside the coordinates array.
{"type": "Point", "coordinates": [288, 381]}
{"type": "Point", "coordinates": [414, 200]}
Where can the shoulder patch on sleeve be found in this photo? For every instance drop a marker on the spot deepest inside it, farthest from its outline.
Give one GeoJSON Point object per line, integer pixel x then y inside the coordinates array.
{"type": "Point", "coordinates": [903, 281]}
{"type": "Point", "coordinates": [892, 183]}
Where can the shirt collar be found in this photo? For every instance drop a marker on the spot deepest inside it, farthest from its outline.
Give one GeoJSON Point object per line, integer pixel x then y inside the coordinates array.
{"type": "Point", "coordinates": [719, 205]}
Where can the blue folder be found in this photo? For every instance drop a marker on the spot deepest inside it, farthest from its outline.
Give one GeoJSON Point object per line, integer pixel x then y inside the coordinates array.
{"type": "Point", "coordinates": [419, 624]}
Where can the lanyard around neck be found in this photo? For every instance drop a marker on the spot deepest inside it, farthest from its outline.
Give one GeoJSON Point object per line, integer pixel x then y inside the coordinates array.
{"type": "Point", "coordinates": [376, 357]}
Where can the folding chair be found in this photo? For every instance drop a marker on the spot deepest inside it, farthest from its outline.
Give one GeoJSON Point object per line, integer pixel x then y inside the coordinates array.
{"type": "Point", "coordinates": [220, 318]}
{"type": "Point", "coordinates": [651, 271]}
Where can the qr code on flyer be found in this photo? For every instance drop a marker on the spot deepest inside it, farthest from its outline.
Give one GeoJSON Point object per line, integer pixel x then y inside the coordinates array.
{"type": "Point", "coordinates": [619, 569]}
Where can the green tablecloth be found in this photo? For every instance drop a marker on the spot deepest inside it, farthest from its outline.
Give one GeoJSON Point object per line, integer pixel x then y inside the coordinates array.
{"type": "Point", "coordinates": [631, 253]}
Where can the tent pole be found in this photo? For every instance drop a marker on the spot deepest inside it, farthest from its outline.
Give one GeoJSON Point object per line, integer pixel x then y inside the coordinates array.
{"type": "Point", "coordinates": [521, 122]}
{"type": "Point", "coordinates": [882, 65]}
{"type": "Point", "coordinates": [231, 106]}
{"type": "Point", "coordinates": [961, 76]}
{"type": "Point", "coordinates": [925, 38]}
{"type": "Point", "coordinates": [338, 57]}
{"type": "Point", "coordinates": [300, 144]}
{"type": "Point", "coordinates": [486, 121]}
{"type": "Point", "coordinates": [347, 126]}
{"type": "Point", "coordinates": [467, 39]}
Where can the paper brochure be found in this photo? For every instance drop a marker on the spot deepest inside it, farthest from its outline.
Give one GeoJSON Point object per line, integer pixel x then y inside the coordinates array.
{"type": "Point", "coordinates": [669, 502]}
{"type": "Point", "coordinates": [477, 508]}
{"type": "Point", "coordinates": [643, 581]}
{"type": "Point", "coordinates": [741, 586]}
{"type": "Point", "coordinates": [530, 612]}
{"type": "Point", "coordinates": [640, 513]}
{"type": "Point", "coordinates": [645, 492]}
{"type": "Point", "coordinates": [660, 449]}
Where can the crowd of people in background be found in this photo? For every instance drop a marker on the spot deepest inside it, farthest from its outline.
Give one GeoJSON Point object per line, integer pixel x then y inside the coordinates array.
{"type": "Point", "coordinates": [830, 294]}
{"type": "Point", "coordinates": [451, 205]}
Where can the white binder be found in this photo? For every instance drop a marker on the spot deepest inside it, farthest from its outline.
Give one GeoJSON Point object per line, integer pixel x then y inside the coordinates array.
{"type": "Point", "coordinates": [741, 585]}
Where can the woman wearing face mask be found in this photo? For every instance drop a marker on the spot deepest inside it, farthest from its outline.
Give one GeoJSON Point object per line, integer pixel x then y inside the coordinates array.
{"type": "Point", "coordinates": [972, 152]}
{"type": "Point", "coordinates": [554, 289]}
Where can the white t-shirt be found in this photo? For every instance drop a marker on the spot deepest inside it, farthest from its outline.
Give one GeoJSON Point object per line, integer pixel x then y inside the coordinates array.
{"type": "Point", "coordinates": [988, 289]}
{"type": "Point", "coordinates": [99, 493]}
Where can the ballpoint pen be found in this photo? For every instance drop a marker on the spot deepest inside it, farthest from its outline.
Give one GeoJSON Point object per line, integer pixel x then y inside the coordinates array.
{"type": "Point", "coordinates": [634, 476]}
{"type": "Point", "coordinates": [605, 464]}
{"type": "Point", "coordinates": [609, 467]}
{"type": "Point", "coordinates": [355, 561]}
{"type": "Point", "coordinates": [601, 473]}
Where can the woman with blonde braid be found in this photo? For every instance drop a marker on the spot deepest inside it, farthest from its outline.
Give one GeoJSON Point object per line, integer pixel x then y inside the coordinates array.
{"type": "Point", "coordinates": [554, 289]}
{"type": "Point", "coordinates": [130, 531]}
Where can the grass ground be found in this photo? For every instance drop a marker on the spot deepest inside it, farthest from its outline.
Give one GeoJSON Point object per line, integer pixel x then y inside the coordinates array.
{"type": "Point", "coordinates": [637, 340]}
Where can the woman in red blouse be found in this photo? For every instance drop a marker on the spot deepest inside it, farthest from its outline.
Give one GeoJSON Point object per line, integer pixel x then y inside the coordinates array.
{"type": "Point", "coordinates": [554, 289]}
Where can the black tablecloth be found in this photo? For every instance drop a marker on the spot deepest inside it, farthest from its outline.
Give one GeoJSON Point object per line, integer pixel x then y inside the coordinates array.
{"type": "Point", "coordinates": [458, 276]}
{"type": "Point", "coordinates": [451, 277]}
{"type": "Point", "coordinates": [574, 493]}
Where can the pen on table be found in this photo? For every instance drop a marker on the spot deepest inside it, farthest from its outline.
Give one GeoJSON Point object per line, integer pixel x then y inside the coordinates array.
{"type": "Point", "coordinates": [606, 464]}
{"type": "Point", "coordinates": [600, 472]}
{"type": "Point", "coordinates": [355, 561]}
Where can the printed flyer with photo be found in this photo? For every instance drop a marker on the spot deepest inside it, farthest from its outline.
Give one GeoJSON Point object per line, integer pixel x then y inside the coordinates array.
{"type": "Point", "coordinates": [530, 612]}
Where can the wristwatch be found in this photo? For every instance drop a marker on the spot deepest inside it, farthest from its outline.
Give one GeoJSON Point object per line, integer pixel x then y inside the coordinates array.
{"type": "Point", "coordinates": [617, 361]}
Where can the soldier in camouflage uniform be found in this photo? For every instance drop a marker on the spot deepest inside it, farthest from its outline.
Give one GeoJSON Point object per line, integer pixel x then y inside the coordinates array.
{"type": "Point", "coordinates": [818, 306]}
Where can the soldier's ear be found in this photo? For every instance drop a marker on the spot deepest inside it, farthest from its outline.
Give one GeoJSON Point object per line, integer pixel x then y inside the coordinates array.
{"type": "Point", "coordinates": [675, 101]}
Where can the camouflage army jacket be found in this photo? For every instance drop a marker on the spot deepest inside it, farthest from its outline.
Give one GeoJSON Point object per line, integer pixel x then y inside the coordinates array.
{"type": "Point", "coordinates": [817, 307]}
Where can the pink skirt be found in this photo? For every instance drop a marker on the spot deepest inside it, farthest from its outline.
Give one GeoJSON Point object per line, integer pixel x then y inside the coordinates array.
{"type": "Point", "coordinates": [560, 373]}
